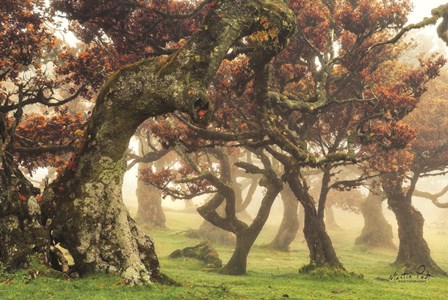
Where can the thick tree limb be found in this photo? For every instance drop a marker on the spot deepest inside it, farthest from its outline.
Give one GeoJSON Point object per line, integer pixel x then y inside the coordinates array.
{"type": "Point", "coordinates": [147, 158]}
{"type": "Point", "coordinates": [90, 211]}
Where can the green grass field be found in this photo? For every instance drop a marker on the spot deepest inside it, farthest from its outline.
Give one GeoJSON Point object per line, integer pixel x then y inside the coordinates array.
{"type": "Point", "coordinates": [271, 274]}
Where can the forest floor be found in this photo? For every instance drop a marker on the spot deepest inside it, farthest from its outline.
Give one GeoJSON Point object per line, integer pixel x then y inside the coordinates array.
{"type": "Point", "coordinates": [271, 274]}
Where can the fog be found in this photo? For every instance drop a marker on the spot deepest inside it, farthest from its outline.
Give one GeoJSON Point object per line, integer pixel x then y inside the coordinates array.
{"type": "Point", "coordinates": [434, 216]}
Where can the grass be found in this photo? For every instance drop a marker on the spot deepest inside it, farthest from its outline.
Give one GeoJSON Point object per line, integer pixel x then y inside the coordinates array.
{"type": "Point", "coordinates": [271, 274]}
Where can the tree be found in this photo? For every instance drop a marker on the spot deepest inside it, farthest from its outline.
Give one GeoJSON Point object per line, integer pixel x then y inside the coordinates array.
{"type": "Point", "coordinates": [377, 232]}
{"type": "Point", "coordinates": [336, 55]}
{"type": "Point", "coordinates": [343, 61]}
{"type": "Point", "coordinates": [28, 139]}
{"type": "Point", "coordinates": [149, 197]}
{"type": "Point", "coordinates": [330, 63]}
{"type": "Point", "coordinates": [245, 234]}
{"type": "Point", "coordinates": [289, 226]}
{"type": "Point", "coordinates": [428, 157]}
{"type": "Point", "coordinates": [88, 215]}
{"type": "Point", "coordinates": [217, 178]}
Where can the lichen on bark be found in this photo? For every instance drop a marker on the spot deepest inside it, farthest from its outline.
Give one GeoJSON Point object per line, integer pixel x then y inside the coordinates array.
{"type": "Point", "coordinates": [85, 203]}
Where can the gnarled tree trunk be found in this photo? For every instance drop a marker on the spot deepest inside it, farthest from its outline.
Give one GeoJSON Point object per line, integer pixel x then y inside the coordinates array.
{"type": "Point", "coordinates": [413, 250]}
{"type": "Point", "coordinates": [377, 232]}
{"type": "Point", "coordinates": [22, 234]}
{"type": "Point", "coordinates": [290, 222]}
{"type": "Point", "coordinates": [245, 234]}
{"type": "Point", "coordinates": [322, 253]}
{"type": "Point", "coordinates": [85, 203]}
{"type": "Point", "coordinates": [246, 237]}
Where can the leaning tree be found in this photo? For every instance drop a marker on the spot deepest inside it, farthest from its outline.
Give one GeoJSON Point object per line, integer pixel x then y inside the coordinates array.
{"type": "Point", "coordinates": [84, 203]}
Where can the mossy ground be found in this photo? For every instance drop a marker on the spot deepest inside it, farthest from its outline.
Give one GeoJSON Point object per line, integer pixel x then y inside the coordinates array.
{"type": "Point", "coordinates": [271, 274]}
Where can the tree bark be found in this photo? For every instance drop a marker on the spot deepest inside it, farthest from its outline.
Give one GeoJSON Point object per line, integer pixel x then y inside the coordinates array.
{"type": "Point", "coordinates": [413, 250]}
{"type": "Point", "coordinates": [246, 237]}
{"type": "Point", "coordinates": [22, 234]}
{"type": "Point", "coordinates": [322, 253]}
{"type": "Point", "coordinates": [290, 222]}
{"type": "Point", "coordinates": [245, 234]}
{"type": "Point", "coordinates": [85, 203]}
{"type": "Point", "coordinates": [377, 232]}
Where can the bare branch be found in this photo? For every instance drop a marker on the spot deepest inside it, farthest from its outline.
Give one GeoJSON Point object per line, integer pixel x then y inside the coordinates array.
{"type": "Point", "coordinates": [433, 197]}
{"type": "Point", "coordinates": [147, 158]}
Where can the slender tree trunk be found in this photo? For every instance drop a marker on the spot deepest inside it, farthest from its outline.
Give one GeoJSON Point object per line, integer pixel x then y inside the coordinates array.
{"type": "Point", "coordinates": [377, 232]}
{"type": "Point", "coordinates": [322, 253]}
{"type": "Point", "coordinates": [237, 265]}
{"type": "Point", "coordinates": [242, 203]}
{"type": "Point", "coordinates": [290, 222]}
{"type": "Point", "coordinates": [246, 237]}
{"type": "Point", "coordinates": [245, 234]}
{"type": "Point", "coordinates": [413, 250]}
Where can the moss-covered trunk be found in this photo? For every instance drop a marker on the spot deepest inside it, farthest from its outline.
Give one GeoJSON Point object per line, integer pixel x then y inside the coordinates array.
{"type": "Point", "coordinates": [322, 253]}
{"type": "Point", "coordinates": [85, 203]}
{"type": "Point", "coordinates": [290, 222]}
{"type": "Point", "coordinates": [237, 264]}
{"type": "Point", "coordinates": [377, 232]}
{"type": "Point", "coordinates": [22, 234]}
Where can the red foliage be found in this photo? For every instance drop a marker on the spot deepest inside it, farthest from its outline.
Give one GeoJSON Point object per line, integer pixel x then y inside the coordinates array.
{"type": "Point", "coordinates": [36, 127]}
{"type": "Point", "coordinates": [37, 131]}
{"type": "Point", "coordinates": [166, 181]}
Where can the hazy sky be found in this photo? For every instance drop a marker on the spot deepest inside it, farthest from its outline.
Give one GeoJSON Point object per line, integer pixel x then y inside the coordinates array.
{"type": "Point", "coordinates": [422, 8]}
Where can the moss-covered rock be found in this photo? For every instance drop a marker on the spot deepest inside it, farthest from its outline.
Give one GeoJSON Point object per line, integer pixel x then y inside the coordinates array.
{"type": "Point", "coordinates": [203, 252]}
